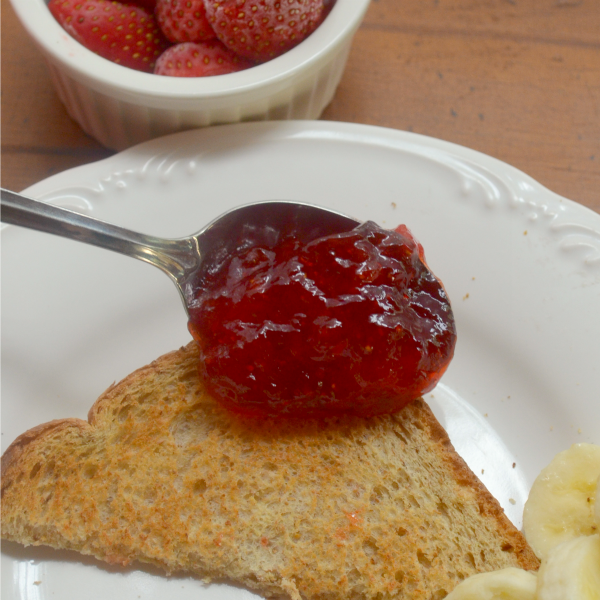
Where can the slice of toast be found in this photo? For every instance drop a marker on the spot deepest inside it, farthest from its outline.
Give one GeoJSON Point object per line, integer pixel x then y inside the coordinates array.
{"type": "Point", "coordinates": [351, 508]}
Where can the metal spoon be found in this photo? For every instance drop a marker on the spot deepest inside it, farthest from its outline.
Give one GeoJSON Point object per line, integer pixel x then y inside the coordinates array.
{"type": "Point", "coordinates": [185, 260]}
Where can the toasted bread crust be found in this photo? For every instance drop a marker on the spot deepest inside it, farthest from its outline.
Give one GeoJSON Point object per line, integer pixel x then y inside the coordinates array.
{"type": "Point", "coordinates": [349, 508]}
{"type": "Point", "coordinates": [12, 455]}
{"type": "Point", "coordinates": [487, 504]}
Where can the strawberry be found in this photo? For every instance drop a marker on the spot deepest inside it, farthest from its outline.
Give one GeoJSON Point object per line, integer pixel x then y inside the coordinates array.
{"type": "Point", "coordinates": [263, 29]}
{"type": "Point", "coordinates": [123, 33]}
{"type": "Point", "coordinates": [149, 4]}
{"type": "Point", "coordinates": [183, 20]}
{"type": "Point", "coordinates": [202, 59]}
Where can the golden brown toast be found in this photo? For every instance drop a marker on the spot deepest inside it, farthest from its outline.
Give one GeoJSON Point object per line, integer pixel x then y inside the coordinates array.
{"type": "Point", "coordinates": [349, 508]}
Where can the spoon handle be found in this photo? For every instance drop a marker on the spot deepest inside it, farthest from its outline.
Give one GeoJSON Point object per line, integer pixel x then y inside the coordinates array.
{"type": "Point", "coordinates": [177, 258]}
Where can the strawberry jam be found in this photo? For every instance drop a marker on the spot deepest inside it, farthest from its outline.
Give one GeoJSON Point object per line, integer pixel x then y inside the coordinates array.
{"type": "Point", "coordinates": [349, 323]}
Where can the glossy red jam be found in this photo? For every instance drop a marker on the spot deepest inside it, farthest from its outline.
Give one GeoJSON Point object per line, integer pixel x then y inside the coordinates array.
{"type": "Point", "coordinates": [349, 323]}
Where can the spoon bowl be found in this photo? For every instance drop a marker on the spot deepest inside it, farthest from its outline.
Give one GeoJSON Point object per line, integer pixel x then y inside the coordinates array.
{"type": "Point", "coordinates": [186, 259]}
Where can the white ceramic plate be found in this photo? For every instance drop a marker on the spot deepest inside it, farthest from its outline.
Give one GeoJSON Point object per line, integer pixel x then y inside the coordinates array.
{"type": "Point", "coordinates": [521, 266]}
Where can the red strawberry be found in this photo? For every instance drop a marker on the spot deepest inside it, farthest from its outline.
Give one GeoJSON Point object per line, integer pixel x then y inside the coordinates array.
{"type": "Point", "coordinates": [184, 20]}
{"type": "Point", "coordinates": [202, 59]}
{"type": "Point", "coordinates": [123, 33]}
{"type": "Point", "coordinates": [149, 4]}
{"type": "Point", "coordinates": [263, 29]}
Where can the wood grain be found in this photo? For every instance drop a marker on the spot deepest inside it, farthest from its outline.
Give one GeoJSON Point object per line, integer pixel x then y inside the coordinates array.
{"type": "Point", "coordinates": [518, 80]}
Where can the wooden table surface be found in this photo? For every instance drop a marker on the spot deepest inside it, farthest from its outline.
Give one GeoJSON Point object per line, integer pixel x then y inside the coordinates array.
{"type": "Point", "coordinates": [516, 79]}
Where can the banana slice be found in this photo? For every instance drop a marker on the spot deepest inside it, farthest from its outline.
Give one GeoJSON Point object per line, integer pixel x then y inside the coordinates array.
{"type": "Point", "coordinates": [506, 584]}
{"type": "Point", "coordinates": [597, 506]}
{"type": "Point", "coordinates": [571, 571]}
{"type": "Point", "coordinates": [560, 506]}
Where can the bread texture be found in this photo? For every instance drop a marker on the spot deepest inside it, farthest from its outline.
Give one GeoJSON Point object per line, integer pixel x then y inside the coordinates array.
{"type": "Point", "coordinates": [349, 508]}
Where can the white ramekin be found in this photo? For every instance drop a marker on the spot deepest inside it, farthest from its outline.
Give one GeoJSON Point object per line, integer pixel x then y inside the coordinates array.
{"type": "Point", "coordinates": [121, 107]}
